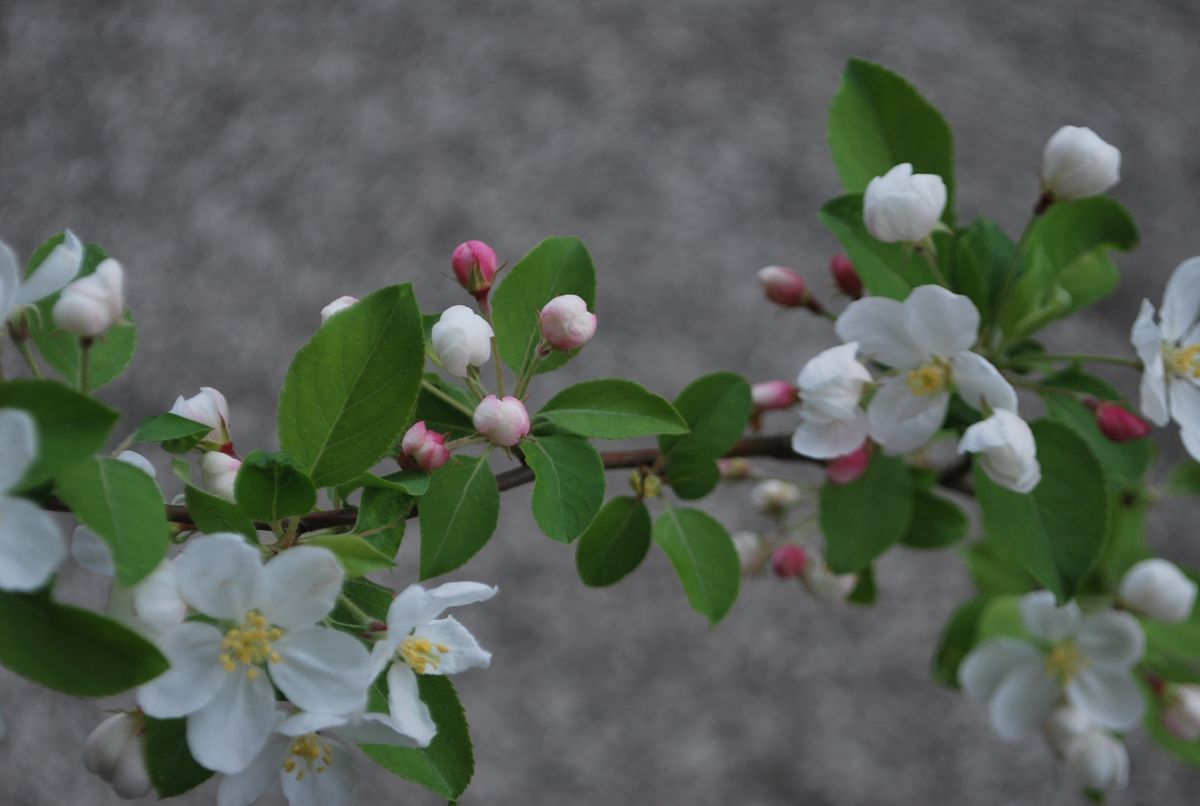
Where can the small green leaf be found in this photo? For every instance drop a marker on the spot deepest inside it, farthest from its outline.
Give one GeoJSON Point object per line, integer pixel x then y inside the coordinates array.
{"type": "Point", "coordinates": [169, 762]}
{"type": "Point", "coordinates": [863, 519]}
{"type": "Point", "coordinates": [124, 506]}
{"type": "Point", "coordinates": [211, 514]}
{"type": "Point", "coordinates": [176, 434]}
{"type": "Point", "coordinates": [959, 637]}
{"type": "Point", "coordinates": [614, 543]}
{"type": "Point", "coordinates": [272, 486]}
{"type": "Point", "coordinates": [382, 516]}
{"type": "Point", "coordinates": [71, 650]}
{"type": "Point", "coordinates": [612, 408]}
{"type": "Point", "coordinates": [355, 554]}
{"type": "Point", "coordinates": [704, 558]}
{"type": "Point", "coordinates": [70, 426]}
{"type": "Point", "coordinates": [936, 523]}
{"type": "Point", "coordinates": [458, 515]}
{"type": "Point", "coordinates": [715, 408]}
{"type": "Point", "coordinates": [412, 482]}
{"type": "Point", "coordinates": [569, 487]}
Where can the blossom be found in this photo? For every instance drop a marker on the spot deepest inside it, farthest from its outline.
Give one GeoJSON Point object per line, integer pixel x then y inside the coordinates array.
{"type": "Point", "coordinates": [418, 642]}
{"type": "Point", "coordinates": [1077, 163]}
{"type": "Point", "coordinates": [504, 421]}
{"type": "Point", "coordinates": [113, 751]}
{"type": "Point", "coordinates": [1008, 452]}
{"type": "Point", "coordinates": [1097, 761]}
{"type": "Point", "coordinates": [218, 472]}
{"type": "Point", "coordinates": [337, 306]}
{"type": "Point", "coordinates": [1158, 589]}
{"type": "Point", "coordinates": [1181, 711]}
{"type": "Point", "coordinates": [832, 423]}
{"type": "Point", "coordinates": [845, 276]}
{"type": "Point", "coordinates": [461, 338]}
{"type": "Point", "coordinates": [207, 407]}
{"type": "Point", "coordinates": [475, 266]}
{"type": "Point", "coordinates": [903, 206]}
{"type": "Point", "coordinates": [788, 561]}
{"type": "Point", "coordinates": [1087, 658]}
{"type": "Point", "coordinates": [926, 339]}
{"type": "Point", "coordinates": [30, 544]}
{"type": "Point", "coordinates": [91, 305]}
{"type": "Point", "coordinates": [59, 268]}
{"type": "Point", "coordinates": [265, 621]}
{"type": "Point", "coordinates": [775, 496]}
{"type": "Point", "coordinates": [785, 287]}
{"type": "Point", "coordinates": [1170, 354]}
{"type": "Point", "coordinates": [823, 583]}
{"type": "Point", "coordinates": [424, 448]}
{"type": "Point", "coordinates": [566, 322]}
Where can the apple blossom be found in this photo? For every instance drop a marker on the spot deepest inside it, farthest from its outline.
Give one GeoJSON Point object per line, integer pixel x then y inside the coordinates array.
{"type": "Point", "coordinates": [462, 339]}
{"type": "Point", "coordinates": [265, 616]}
{"type": "Point", "coordinates": [773, 395]}
{"type": "Point", "coordinates": [1118, 423]}
{"type": "Point", "coordinates": [832, 423]}
{"type": "Point", "coordinates": [903, 206]}
{"type": "Point", "coordinates": [1088, 658]}
{"type": "Point", "coordinates": [503, 421]}
{"type": "Point", "coordinates": [1181, 711]}
{"type": "Point", "coordinates": [31, 546]}
{"type": "Point", "coordinates": [207, 407]}
{"type": "Point", "coordinates": [1158, 589]}
{"type": "Point", "coordinates": [1096, 761]}
{"type": "Point", "coordinates": [418, 642]}
{"type": "Point", "coordinates": [788, 561]}
{"type": "Point", "coordinates": [91, 305]}
{"type": "Point", "coordinates": [475, 265]}
{"type": "Point", "coordinates": [927, 340]}
{"type": "Point", "coordinates": [1066, 723]}
{"type": "Point", "coordinates": [1077, 163]}
{"type": "Point", "coordinates": [424, 448]}
{"type": "Point", "coordinates": [848, 468]}
{"type": "Point", "coordinates": [1007, 451]}
{"type": "Point", "coordinates": [218, 472]}
{"type": "Point", "coordinates": [775, 496]}
{"type": "Point", "coordinates": [845, 276]}
{"type": "Point", "coordinates": [823, 583]}
{"type": "Point", "coordinates": [113, 751]}
{"type": "Point", "coordinates": [786, 288]}
{"type": "Point", "coordinates": [566, 322]}
{"type": "Point", "coordinates": [337, 306]}
{"type": "Point", "coordinates": [58, 269]}
{"type": "Point", "coordinates": [753, 552]}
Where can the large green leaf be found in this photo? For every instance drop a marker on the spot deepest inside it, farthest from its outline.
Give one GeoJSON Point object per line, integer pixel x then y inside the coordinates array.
{"type": "Point", "coordinates": [554, 267]}
{"type": "Point", "coordinates": [272, 486]}
{"type": "Point", "coordinates": [458, 515]}
{"type": "Point", "coordinates": [569, 486]}
{"type": "Point", "coordinates": [704, 558]}
{"type": "Point", "coordinates": [351, 390]}
{"type": "Point", "coordinates": [886, 269]}
{"type": "Point", "coordinates": [1124, 462]}
{"type": "Point", "coordinates": [70, 426]}
{"type": "Point", "coordinates": [71, 650]}
{"type": "Point", "coordinates": [614, 543]}
{"type": "Point", "coordinates": [716, 408]}
{"type": "Point", "coordinates": [169, 762]}
{"type": "Point", "coordinates": [983, 258]}
{"type": "Point", "coordinates": [935, 523]}
{"type": "Point", "coordinates": [863, 519]}
{"type": "Point", "coordinates": [124, 506]}
{"type": "Point", "coordinates": [612, 408]}
{"type": "Point", "coordinates": [1057, 530]}
{"type": "Point", "coordinates": [211, 514]}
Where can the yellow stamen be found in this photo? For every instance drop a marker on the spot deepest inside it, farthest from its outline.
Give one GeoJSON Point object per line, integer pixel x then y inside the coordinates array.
{"type": "Point", "coordinates": [250, 645]}
{"type": "Point", "coordinates": [929, 378]}
{"type": "Point", "coordinates": [1183, 361]}
{"type": "Point", "coordinates": [1065, 661]}
{"type": "Point", "coordinates": [421, 653]}
{"type": "Point", "coordinates": [309, 751]}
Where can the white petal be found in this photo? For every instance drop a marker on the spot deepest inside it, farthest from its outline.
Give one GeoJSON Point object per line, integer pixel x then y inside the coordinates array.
{"type": "Point", "coordinates": [1185, 403]}
{"type": "Point", "coordinates": [977, 380]}
{"type": "Point", "coordinates": [464, 652]}
{"type": "Point", "coordinates": [941, 322]}
{"type": "Point", "coordinates": [1181, 300]}
{"type": "Point", "coordinates": [231, 730]}
{"type": "Point", "coordinates": [1191, 441]}
{"type": "Point", "coordinates": [373, 729]}
{"type": "Point", "coordinates": [1112, 639]}
{"type": "Point", "coordinates": [1145, 335]}
{"type": "Point", "coordinates": [137, 460]}
{"type": "Point", "coordinates": [10, 285]}
{"type": "Point", "coordinates": [30, 545]}
{"type": "Point", "coordinates": [1109, 696]}
{"type": "Point", "coordinates": [302, 722]}
{"type": "Point", "coordinates": [990, 662]}
{"type": "Point", "coordinates": [247, 786]}
{"type": "Point", "coordinates": [409, 713]}
{"type": "Point", "coordinates": [829, 439]}
{"type": "Point", "coordinates": [880, 326]}
{"type": "Point", "coordinates": [156, 600]}
{"type": "Point", "coordinates": [1023, 700]}
{"type": "Point", "coordinates": [333, 786]}
{"type": "Point", "coordinates": [321, 670]}
{"type": "Point", "coordinates": [219, 575]}
{"type": "Point", "coordinates": [131, 779]}
{"type": "Point", "coordinates": [18, 444]}
{"type": "Point", "coordinates": [59, 268]}
{"type": "Point", "coordinates": [457, 594]}
{"type": "Point", "coordinates": [1153, 392]}
{"type": "Point", "coordinates": [901, 421]}
{"type": "Point", "coordinates": [193, 650]}
{"type": "Point", "coordinates": [411, 608]}
{"type": "Point", "coordinates": [833, 365]}
{"type": "Point", "coordinates": [90, 551]}
{"type": "Point", "coordinates": [300, 587]}
{"type": "Point", "coordinates": [1046, 620]}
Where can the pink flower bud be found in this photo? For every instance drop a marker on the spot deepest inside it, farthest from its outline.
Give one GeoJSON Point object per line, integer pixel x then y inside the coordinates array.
{"type": "Point", "coordinates": [566, 322]}
{"type": "Point", "coordinates": [773, 395]}
{"type": "Point", "coordinates": [424, 448]}
{"type": "Point", "coordinates": [850, 467]}
{"type": "Point", "coordinates": [337, 306]}
{"type": "Point", "coordinates": [474, 264]}
{"type": "Point", "coordinates": [504, 422]}
{"type": "Point", "coordinates": [785, 287]}
{"type": "Point", "coordinates": [846, 276]}
{"type": "Point", "coordinates": [1118, 423]}
{"type": "Point", "coordinates": [788, 561]}
{"type": "Point", "coordinates": [1181, 712]}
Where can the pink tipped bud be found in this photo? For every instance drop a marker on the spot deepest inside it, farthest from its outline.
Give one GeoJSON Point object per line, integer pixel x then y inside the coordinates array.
{"type": "Point", "coordinates": [788, 561]}
{"type": "Point", "coordinates": [774, 395]}
{"type": "Point", "coordinates": [850, 467]}
{"type": "Point", "coordinates": [423, 448]}
{"type": "Point", "coordinates": [504, 422]}
{"type": "Point", "coordinates": [846, 276]}
{"type": "Point", "coordinates": [474, 264]}
{"type": "Point", "coordinates": [566, 322]}
{"type": "Point", "coordinates": [787, 288]}
{"type": "Point", "coordinates": [1118, 423]}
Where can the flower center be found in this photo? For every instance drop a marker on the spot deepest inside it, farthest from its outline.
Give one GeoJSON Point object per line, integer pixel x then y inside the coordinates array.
{"type": "Point", "coordinates": [250, 644]}
{"type": "Point", "coordinates": [1183, 361]}
{"type": "Point", "coordinates": [308, 753]}
{"type": "Point", "coordinates": [929, 378]}
{"type": "Point", "coordinates": [421, 653]}
{"type": "Point", "coordinates": [1065, 661]}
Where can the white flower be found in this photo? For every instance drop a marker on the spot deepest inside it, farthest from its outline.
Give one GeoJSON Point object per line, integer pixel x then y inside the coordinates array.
{"type": "Point", "coordinates": [59, 268]}
{"type": "Point", "coordinates": [91, 305]}
{"type": "Point", "coordinates": [337, 306]}
{"type": "Point", "coordinates": [832, 423]}
{"type": "Point", "coordinates": [566, 322]}
{"type": "Point", "coordinates": [1008, 452]}
{"type": "Point", "coordinates": [1090, 658]}
{"type": "Point", "coordinates": [903, 206]}
{"type": "Point", "coordinates": [823, 583]}
{"type": "Point", "coordinates": [461, 338]}
{"type": "Point", "coordinates": [418, 642]}
{"type": "Point", "coordinates": [1097, 761]}
{"type": "Point", "coordinates": [113, 751]}
{"type": "Point", "coordinates": [207, 407]}
{"type": "Point", "coordinates": [31, 546]}
{"type": "Point", "coordinates": [751, 550]}
{"type": "Point", "coordinates": [505, 421]}
{"type": "Point", "coordinates": [775, 495]}
{"type": "Point", "coordinates": [1077, 163]}
{"type": "Point", "coordinates": [1181, 711]}
{"type": "Point", "coordinates": [927, 340]}
{"type": "Point", "coordinates": [1170, 354]}
{"type": "Point", "coordinates": [1158, 589]}
{"type": "Point", "coordinates": [265, 618]}
{"type": "Point", "coordinates": [218, 472]}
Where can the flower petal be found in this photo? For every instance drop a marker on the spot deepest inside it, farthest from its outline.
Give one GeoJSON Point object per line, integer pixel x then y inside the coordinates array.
{"type": "Point", "coordinates": [59, 268]}
{"type": "Point", "coordinates": [977, 381]}
{"type": "Point", "coordinates": [321, 670]}
{"type": "Point", "coordinates": [1153, 392]}
{"type": "Point", "coordinates": [1145, 335]}
{"type": "Point", "coordinates": [1023, 700]}
{"type": "Point", "coordinates": [1181, 300]}
{"type": "Point", "coordinates": [334, 785]}
{"type": "Point", "coordinates": [464, 651]}
{"type": "Point", "coordinates": [901, 421]}
{"type": "Point", "coordinates": [247, 786]}
{"type": "Point", "coordinates": [1109, 696]}
{"type": "Point", "coordinates": [90, 551]}
{"type": "Point", "coordinates": [219, 575]}
{"type": "Point", "coordinates": [457, 594]}
{"type": "Point", "coordinates": [829, 439]}
{"type": "Point", "coordinates": [1191, 441]}
{"type": "Point", "coordinates": [1112, 639]}
{"type": "Point", "coordinates": [10, 286]}
{"type": "Point", "coordinates": [231, 730]}
{"type": "Point", "coordinates": [990, 662]}
{"type": "Point", "coordinates": [1046, 620]}
{"type": "Point", "coordinates": [30, 545]}
{"type": "Point", "coordinates": [409, 713]}
{"type": "Point", "coordinates": [300, 586]}
{"type": "Point", "coordinates": [18, 442]}
{"type": "Point", "coordinates": [373, 728]}
{"type": "Point", "coordinates": [194, 650]}
{"type": "Point", "coordinates": [1185, 403]}
{"type": "Point", "coordinates": [156, 600]}
{"type": "Point", "coordinates": [880, 326]}
{"type": "Point", "coordinates": [941, 322]}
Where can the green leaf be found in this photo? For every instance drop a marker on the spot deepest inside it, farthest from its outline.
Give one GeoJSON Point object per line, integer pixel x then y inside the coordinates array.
{"type": "Point", "coordinates": [612, 408]}
{"type": "Point", "coordinates": [554, 267]}
{"type": "Point", "coordinates": [70, 426]}
{"type": "Point", "coordinates": [1075, 379]}
{"type": "Point", "coordinates": [110, 354]}
{"type": "Point", "coordinates": [447, 764]}
{"type": "Point", "coordinates": [412, 482]}
{"type": "Point", "coordinates": [351, 390]}
{"type": "Point", "coordinates": [693, 476]}
{"type": "Point", "coordinates": [569, 486]}
{"type": "Point", "coordinates": [983, 258]}
{"type": "Point", "coordinates": [176, 434]}
{"type": "Point", "coordinates": [614, 543]}
{"type": "Point", "coordinates": [211, 514]}
{"type": "Point", "coordinates": [865, 592]}
{"type": "Point", "coordinates": [124, 506]}
{"type": "Point", "coordinates": [382, 516]}
{"type": "Point", "coordinates": [704, 559]}
{"type": "Point", "coordinates": [370, 597]}
{"type": "Point", "coordinates": [272, 486]}
{"type": "Point", "coordinates": [355, 554]}
{"type": "Point", "coordinates": [959, 637]}
{"type": "Point", "coordinates": [879, 120]}
{"type": "Point", "coordinates": [71, 650]}
{"type": "Point", "coordinates": [863, 519]}
{"type": "Point", "coordinates": [1124, 462]}
{"type": "Point", "coordinates": [1184, 479]}
{"type": "Point", "coordinates": [458, 515]}
{"type": "Point", "coordinates": [886, 269]}
{"type": "Point", "coordinates": [1057, 530]}
{"type": "Point", "coordinates": [715, 408]}
{"type": "Point", "coordinates": [936, 523]}
{"type": "Point", "coordinates": [440, 416]}
{"type": "Point", "coordinates": [994, 569]}
{"type": "Point", "coordinates": [172, 769]}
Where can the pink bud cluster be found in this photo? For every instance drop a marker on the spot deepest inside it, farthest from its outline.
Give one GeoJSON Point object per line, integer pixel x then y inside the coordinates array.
{"type": "Point", "coordinates": [423, 448]}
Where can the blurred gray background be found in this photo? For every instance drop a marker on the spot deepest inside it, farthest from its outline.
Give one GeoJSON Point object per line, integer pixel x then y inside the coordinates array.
{"type": "Point", "coordinates": [250, 162]}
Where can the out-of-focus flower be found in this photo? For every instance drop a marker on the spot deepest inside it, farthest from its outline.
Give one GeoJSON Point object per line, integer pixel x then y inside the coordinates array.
{"type": "Point", "coordinates": [788, 561]}
{"type": "Point", "coordinates": [775, 496]}
{"type": "Point", "coordinates": [848, 468]}
{"type": "Point", "coordinates": [113, 751]}
{"type": "Point", "coordinates": [1118, 423]}
{"type": "Point", "coordinates": [1158, 589]}
{"type": "Point", "coordinates": [773, 395]}
{"type": "Point", "coordinates": [31, 546]}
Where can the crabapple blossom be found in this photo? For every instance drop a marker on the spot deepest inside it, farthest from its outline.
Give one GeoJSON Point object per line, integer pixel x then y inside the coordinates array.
{"type": "Point", "coordinates": [1118, 423]}
{"type": "Point", "coordinates": [788, 561]}
{"type": "Point", "coordinates": [337, 306]}
{"type": "Point", "coordinates": [31, 546]}
{"type": "Point", "coordinates": [901, 206]}
{"type": "Point", "coordinates": [823, 583]}
{"type": "Point", "coordinates": [207, 407]}
{"type": "Point", "coordinates": [1096, 761]}
{"type": "Point", "coordinates": [475, 265]}
{"type": "Point", "coordinates": [1007, 451]}
{"type": "Point", "coordinates": [566, 322]}
{"type": "Point", "coordinates": [218, 472]}
{"type": "Point", "coordinates": [462, 339]}
{"type": "Point", "coordinates": [91, 305]}
{"type": "Point", "coordinates": [785, 287]}
{"type": "Point", "coordinates": [1158, 589]}
{"type": "Point", "coordinates": [773, 395]}
{"type": "Point", "coordinates": [58, 269]}
{"type": "Point", "coordinates": [424, 448]}
{"type": "Point", "coordinates": [1181, 711]}
{"type": "Point", "coordinates": [1065, 724]}
{"type": "Point", "coordinates": [775, 496]}
{"type": "Point", "coordinates": [751, 550]}
{"type": "Point", "coordinates": [504, 421]}
{"type": "Point", "coordinates": [1078, 163]}
{"type": "Point", "coordinates": [848, 468]}
{"type": "Point", "coordinates": [113, 751]}
{"type": "Point", "coordinates": [845, 276]}
{"type": "Point", "coordinates": [832, 423]}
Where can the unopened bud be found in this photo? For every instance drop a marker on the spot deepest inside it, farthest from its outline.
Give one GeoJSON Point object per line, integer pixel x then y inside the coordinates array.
{"type": "Point", "coordinates": [462, 339]}
{"type": "Point", "coordinates": [1158, 589]}
{"type": "Point", "coordinates": [566, 322]}
{"type": "Point", "coordinates": [786, 288]}
{"type": "Point", "coordinates": [1078, 163]}
{"type": "Point", "coordinates": [850, 467]}
{"type": "Point", "coordinates": [91, 305]}
{"type": "Point", "coordinates": [113, 751]}
{"type": "Point", "coordinates": [475, 266]}
{"type": "Point", "coordinates": [424, 448]}
{"type": "Point", "coordinates": [219, 471]}
{"type": "Point", "coordinates": [751, 551]}
{"type": "Point", "coordinates": [651, 486]}
{"type": "Point", "coordinates": [1181, 711]}
{"type": "Point", "coordinates": [788, 561]}
{"type": "Point", "coordinates": [823, 583]}
{"type": "Point", "coordinates": [775, 496]}
{"type": "Point", "coordinates": [846, 276]}
{"type": "Point", "coordinates": [735, 469]}
{"type": "Point", "coordinates": [773, 395]}
{"type": "Point", "coordinates": [1097, 761]}
{"type": "Point", "coordinates": [504, 422]}
{"type": "Point", "coordinates": [1118, 423]}
{"type": "Point", "coordinates": [210, 408]}
{"type": "Point", "coordinates": [337, 306]}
